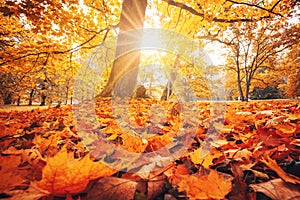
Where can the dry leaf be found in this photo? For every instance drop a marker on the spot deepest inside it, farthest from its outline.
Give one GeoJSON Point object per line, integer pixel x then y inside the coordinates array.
{"type": "Point", "coordinates": [112, 188]}
{"type": "Point", "coordinates": [204, 157]}
{"type": "Point", "coordinates": [32, 193]}
{"type": "Point", "coordinates": [10, 174]}
{"type": "Point", "coordinates": [156, 186]}
{"type": "Point", "coordinates": [289, 178]}
{"type": "Point", "coordinates": [213, 185]}
{"type": "Point", "coordinates": [278, 189]}
{"type": "Point", "coordinates": [63, 174]}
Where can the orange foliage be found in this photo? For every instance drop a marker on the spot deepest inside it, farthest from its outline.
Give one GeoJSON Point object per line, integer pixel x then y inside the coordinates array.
{"type": "Point", "coordinates": [41, 151]}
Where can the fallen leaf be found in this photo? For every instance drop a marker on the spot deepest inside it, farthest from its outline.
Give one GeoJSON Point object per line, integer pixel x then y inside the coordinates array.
{"type": "Point", "coordinates": [204, 157]}
{"type": "Point", "coordinates": [156, 186]}
{"type": "Point", "coordinates": [30, 156]}
{"type": "Point", "coordinates": [214, 185]}
{"type": "Point", "coordinates": [239, 190]}
{"type": "Point", "coordinates": [32, 193]}
{"type": "Point", "coordinates": [64, 174]}
{"type": "Point", "coordinates": [256, 173]}
{"type": "Point", "coordinates": [278, 189]}
{"type": "Point", "coordinates": [112, 188]}
{"type": "Point", "coordinates": [10, 174]}
{"type": "Point", "coordinates": [289, 178]}
{"type": "Point", "coordinates": [238, 153]}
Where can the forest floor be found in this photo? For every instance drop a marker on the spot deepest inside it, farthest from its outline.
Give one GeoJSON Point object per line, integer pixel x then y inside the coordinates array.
{"type": "Point", "coordinates": [150, 149]}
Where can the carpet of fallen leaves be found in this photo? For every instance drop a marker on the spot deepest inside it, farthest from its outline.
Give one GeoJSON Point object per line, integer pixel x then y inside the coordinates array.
{"type": "Point", "coordinates": [255, 156]}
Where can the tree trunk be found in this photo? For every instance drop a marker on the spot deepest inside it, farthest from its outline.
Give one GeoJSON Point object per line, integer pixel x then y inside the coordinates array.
{"type": "Point", "coordinates": [239, 81]}
{"type": "Point", "coordinates": [31, 97]}
{"type": "Point", "coordinates": [242, 98]}
{"type": "Point", "coordinates": [19, 100]}
{"type": "Point", "coordinates": [247, 91]}
{"type": "Point", "coordinates": [8, 99]}
{"type": "Point", "coordinates": [123, 76]}
{"type": "Point", "coordinates": [43, 102]}
{"type": "Point", "coordinates": [169, 87]}
{"type": "Point", "coordinates": [67, 95]}
{"type": "Point", "coordinates": [167, 91]}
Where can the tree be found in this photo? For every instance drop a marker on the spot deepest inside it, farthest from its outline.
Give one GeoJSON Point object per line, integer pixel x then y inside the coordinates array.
{"type": "Point", "coordinates": [172, 77]}
{"type": "Point", "coordinates": [132, 18]}
{"type": "Point", "coordinates": [54, 34]}
{"type": "Point", "coordinates": [289, 68]}
{"type": "Point", "coordinates": [254, 48]}
{"type": "Point", "coordinates": [38, 32]}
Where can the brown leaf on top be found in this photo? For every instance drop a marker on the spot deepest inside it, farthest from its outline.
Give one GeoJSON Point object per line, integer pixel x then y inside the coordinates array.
{"type": "Point", "coordinates": [289, 178]}
{"type": "Point", "coordinates": [156, 186]}
{"type": "Point", "coordinates": [63, 174]}
{"type": "Point", "coordinates": [278, 189]}
{"type": "Point", "coordinates": [239, 190]}
{"type": "Point", "coordinates": [32, 193]}
{"type": "Point", "coordinates": [112, 188]}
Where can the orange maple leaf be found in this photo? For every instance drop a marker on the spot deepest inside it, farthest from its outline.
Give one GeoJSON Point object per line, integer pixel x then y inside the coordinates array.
{"type": "Point", "coordinates": [63, 174]}
{"type": "Point", "coordinates": [213, 185]}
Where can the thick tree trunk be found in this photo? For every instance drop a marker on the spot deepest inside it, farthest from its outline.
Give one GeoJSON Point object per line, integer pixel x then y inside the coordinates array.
{"type": "Point", "coordinates": [8, 99]}
{"type": "Point", "coordinates": [124, 72]}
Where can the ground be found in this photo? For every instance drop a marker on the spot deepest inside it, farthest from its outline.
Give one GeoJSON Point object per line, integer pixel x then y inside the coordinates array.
{"type": "Point", "coordinates": [149, 149]}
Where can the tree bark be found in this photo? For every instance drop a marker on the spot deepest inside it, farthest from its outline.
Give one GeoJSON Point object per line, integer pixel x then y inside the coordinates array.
{"type": "Point", "coordinates": [8, 99]}
{"type": "Point", "coordinates": [169, 87]}
{"type": "Point", "coordinates": [19, 100]}
{"type": "Point", "coordinates": [43, 102]}
{"type": "Point", "coordinates": [247, 91]}
{"type": "Point", "coordinates": [67, 94]}
{"type": "Point", "coordinates": [239, 81]}
{"type": "Point", "coordinates": [31, 97]}
{"type": "Point", "coordinates": [123, 76]}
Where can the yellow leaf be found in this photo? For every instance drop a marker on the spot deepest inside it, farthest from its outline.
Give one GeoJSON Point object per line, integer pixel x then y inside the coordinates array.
{"type": "Point", "coordinates": [204, 157]}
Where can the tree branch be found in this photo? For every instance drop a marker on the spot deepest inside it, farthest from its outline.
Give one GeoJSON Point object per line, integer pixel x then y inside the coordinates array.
{"type": "Point", "coordinates": [66, 51]}
{"type": "Point", "coordinates": [257, 6]}
{"type": "Point", "coordinates": [194, 12]}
